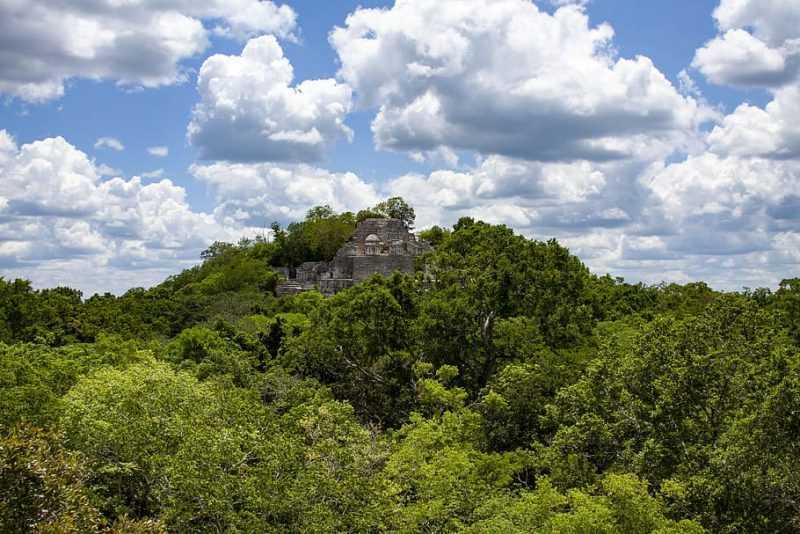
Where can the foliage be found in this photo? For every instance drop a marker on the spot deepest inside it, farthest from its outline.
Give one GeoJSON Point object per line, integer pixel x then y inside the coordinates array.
{"type": "Point", "coordinates": [42, 486]}
{"type": "Point", "coordinates": [500, 388]}
{"type": "Point", "coordinates": [621, 506]}
{"type": "Point", "coordinates": [317, 238]}
{"type": "Point", "coordinates": [396, 208]}
{"type": "Point", "coordinates": [434, 235]}
{"type": "Point", "coordinates": [33, 378]}
{"type": "Point", "coordinates": [358, 344]}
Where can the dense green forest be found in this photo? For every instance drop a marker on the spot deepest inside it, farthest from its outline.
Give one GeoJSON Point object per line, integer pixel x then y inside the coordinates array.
{"type": "Point", "coordinates": [503, 388]}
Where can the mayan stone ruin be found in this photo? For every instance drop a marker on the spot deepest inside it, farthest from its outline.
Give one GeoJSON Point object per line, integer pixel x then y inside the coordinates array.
{"type": "Point", "coordinates": [377, 246]}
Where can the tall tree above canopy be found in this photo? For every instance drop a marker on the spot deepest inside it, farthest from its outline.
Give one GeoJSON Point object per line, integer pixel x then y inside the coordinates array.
{"type": "Point", "coordinates": [397, 208]}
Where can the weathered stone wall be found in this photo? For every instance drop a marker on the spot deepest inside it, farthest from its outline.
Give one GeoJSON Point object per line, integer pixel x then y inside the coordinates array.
{"type": "Point", "coordinates": [310, 271]}
{"type": "Point", "coordinates": [342, 266]}
{"type": "Point", "coordinates": [366, 266]}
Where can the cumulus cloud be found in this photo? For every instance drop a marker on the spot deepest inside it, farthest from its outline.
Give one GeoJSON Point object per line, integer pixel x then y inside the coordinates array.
{"type": "Point", "coordinates": [729, 216]}
{"type": "Point", "coordinates": [587, 205]}
{"type": "Point", "coordinates": [727, 210]}
{"type": "Point", "coordinates": [503, 77]}
{"type": "Point", "coordinates": [142, 43]}
{"type": "Point", "coordinates": [740, 195]}
{"type": "Point", "coordinates": [739, 58]}
{"type": "Point", "coordinates": [773, 21]}
{"type": "Point", "coordinates": [109, 142]}
{"type": "Point", "coordinates": [771, 132]}
{"type": "Point", "coordinates": [249, 111]}
{"type": "Point", "coordinates": [573, 142]}
{"type": "Point", "coordinates": [710, 188]}
{"type": "Point", "coordinates": [62, 223]}
{"type": "Point", "coordinates": [759, 46]}
{"type": "Point", "coordinates": [158, 151]}
{"type": "Point", "coordinates": [726, 219]}
{"type": "Point", "coordinates": [500, 177]}
{"type": "Point", "coordinates": [258, 194]}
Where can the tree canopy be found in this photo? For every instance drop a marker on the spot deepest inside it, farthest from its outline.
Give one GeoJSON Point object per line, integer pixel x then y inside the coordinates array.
{"type": "Point", "coordinates": [502, 387]}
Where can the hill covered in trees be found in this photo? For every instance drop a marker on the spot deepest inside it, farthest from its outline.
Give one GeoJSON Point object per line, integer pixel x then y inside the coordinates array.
{"type": "Point", "coordinates": [502, 388]}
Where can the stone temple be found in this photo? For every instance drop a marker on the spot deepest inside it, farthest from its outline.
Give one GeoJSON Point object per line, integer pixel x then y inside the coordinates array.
{"type": "Point", "coordinates": [377, 246]}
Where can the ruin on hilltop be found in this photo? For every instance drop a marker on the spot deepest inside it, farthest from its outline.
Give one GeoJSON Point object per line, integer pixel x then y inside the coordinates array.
{"type": "Point", "coordinates": [377, 246]}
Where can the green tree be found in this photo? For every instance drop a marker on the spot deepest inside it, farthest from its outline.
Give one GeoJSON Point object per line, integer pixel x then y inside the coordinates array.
{"type": "Point", "coordinates": [787, 302]}
{"type": "Point", "coordinates": [43, 486]}
{"type": "Point", "coordinates": [439, 472]}
{"type": "Point", "coordinates": [358, 344]}
{"type": "Point", "coordinates": [397, 208]}
{"type": "Point", "coordinates": [33, 378]}
{"type": "Point", "coordinates": [621, 506]}
{"type": "Point", "coordinates": [434, 235]}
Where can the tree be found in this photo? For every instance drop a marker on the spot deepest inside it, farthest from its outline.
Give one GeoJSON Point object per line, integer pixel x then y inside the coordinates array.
{"type": "Point", "coordinates": [482, 274]}
{"type": "Point", "coordinates": [787, 302]}
{"type": "Point", "coordinates": [397, 208]}
{"type": "Point", "coordinates": [434, 235]}
{"type": "Point", "coordinates": [439, 472]}
{"type": "Point", "coordinates": [33, 378]}
{"type": "Point", "coordinates": [502, 388]}
{"type": "Point", "coordinates": [358, 344]}
{"type": "Point", "coordinates": [369, 213]}
{"type": "Point", "coordinates": [43, 486]}
{"type": "Point", "coordinates": [622, 505]}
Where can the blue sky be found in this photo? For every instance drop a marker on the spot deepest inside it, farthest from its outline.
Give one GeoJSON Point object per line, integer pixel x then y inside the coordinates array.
{"type": "Point", "coordinates": [657, 140]}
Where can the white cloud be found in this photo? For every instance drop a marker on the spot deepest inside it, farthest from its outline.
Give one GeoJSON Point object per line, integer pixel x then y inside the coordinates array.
{"type": "Point", "coordinates": [61, 223]}
{"type": "Point", "coordinates": [137, 43]}
{"type": "Point", "coordinates": [728, 219]}
{"type": "Point", "coordinates": [443, 155]}
{"type": "Point", "coordinates": [731, 220]}
{"type": "Point", "coordinates": [158, 151]}
{"type": "Point", "coordinates": [500, 177]}
{"type": "Point", "coordinates": [738, 58]}
{"type": "Point", "coordinates": [729, 212]}
{"type": "Point", "coordinates": [258, 194]}
{"type": "Point", "coordinates": [503, 77]}
{"type": "Point", "coordinates": [157, 173]}
{"type": "Point", "coordinates": [759, 46]}
{"type": "Point", "coordinates": [539, 199]}
{"type": "Point", "coordinates": [106, 170]}
{"type": "Point", "coordinates": [773, 21]}
{"type": "Point", "coordinates": [772, 132]}
{"type": "Point", "coordinates": [542, 98]}
{"type": "Point", "coordinates": [250, 112]}
{"type": "Point", "coordinates": [711, 188]}
{"type": "Point", "coordinates": [109, 142]}
{"type": "Point", "coordinates": [725, 219]}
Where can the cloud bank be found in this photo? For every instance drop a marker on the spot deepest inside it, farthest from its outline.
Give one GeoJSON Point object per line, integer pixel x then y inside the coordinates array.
{"type": "Point", "coordinates": [44, 43]}
{"type": "Point", "coordinates": [502, 77]}
{"type": "Point", "coordinates": [62, 223]}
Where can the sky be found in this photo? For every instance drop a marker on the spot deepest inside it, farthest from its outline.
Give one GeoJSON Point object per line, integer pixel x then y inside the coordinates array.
{"type": "Point", "coordinates": [658, 141]}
